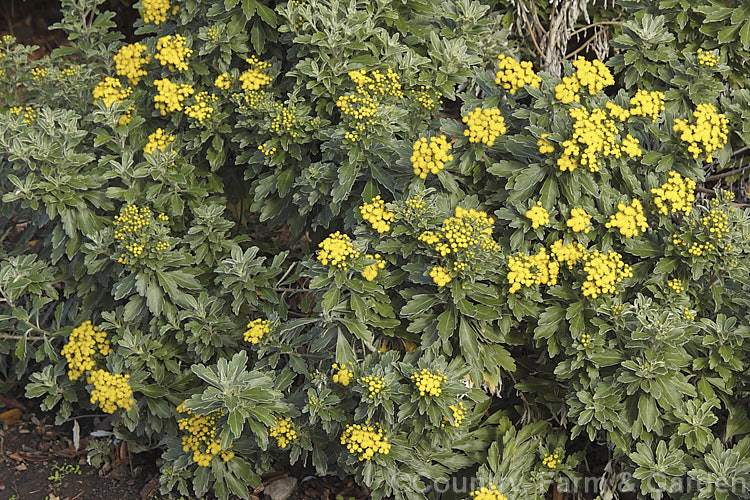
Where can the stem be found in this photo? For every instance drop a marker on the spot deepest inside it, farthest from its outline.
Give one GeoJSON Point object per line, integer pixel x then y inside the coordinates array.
{"type": "Point", "coordinates": [721, 175]}
{"type": "Point", "coordinates": [92, 415]}
{"type": "Point", "coordinates": [588, 26]}
{"type": "Point", "coordinates": [5, 336]}
{"type": "Point", "coordinates": [287, 289]}
{"type": "Point", "coordinates": [523, 10]}
{"type": "Point", "coordinates": [585, 44]}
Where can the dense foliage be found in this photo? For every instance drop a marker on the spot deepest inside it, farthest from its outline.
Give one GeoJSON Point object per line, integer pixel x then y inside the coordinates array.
{"type": "Point", "coordinates": [368, 238]}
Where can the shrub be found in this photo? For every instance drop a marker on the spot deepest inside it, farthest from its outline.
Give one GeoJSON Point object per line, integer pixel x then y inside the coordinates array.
{"type": "Point", "coordinates": [346, 237]}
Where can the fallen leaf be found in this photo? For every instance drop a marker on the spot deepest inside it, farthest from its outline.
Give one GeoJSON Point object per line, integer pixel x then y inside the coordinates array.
{"type": "Point", "coordinates": [12, 403]}
{"type": "Point", "coordinates": [149, 489]}
{"type": "Point", "coordinates": [10, 417]}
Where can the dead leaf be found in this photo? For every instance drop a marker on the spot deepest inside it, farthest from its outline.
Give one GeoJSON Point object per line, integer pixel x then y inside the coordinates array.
{"type": "Point", "coordinates": [149, 489]}
{"type": "Point", "coordinates": [76, 436]}
{"type": "Point", "coordinates": [10, 417]}
{"type": "Point", "coordinates": [12, 403]}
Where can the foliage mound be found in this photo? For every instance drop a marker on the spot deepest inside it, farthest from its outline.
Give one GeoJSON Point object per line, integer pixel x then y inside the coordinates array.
{"type": "Point", "coordinates": [368, 238]}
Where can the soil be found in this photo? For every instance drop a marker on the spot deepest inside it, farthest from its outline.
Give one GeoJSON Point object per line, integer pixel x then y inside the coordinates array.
{"type": "Point", "coordinates": [38, 460]}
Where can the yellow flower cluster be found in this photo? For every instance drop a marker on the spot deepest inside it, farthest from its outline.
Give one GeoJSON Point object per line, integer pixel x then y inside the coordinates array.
{"type": "Point", "coordinates": [707, 134]}
{"type": "Point", "coordinates": [698, 249]}
{"type": "Point", "coordinates": [430, 157]}
{"type": "Point", "coordinates": [467, 229]}
{"type": "Point", "coordinates": [485, 125]}
{"type": "Point", "coordinates": [569, 254]}
{"type": "Point", "coordinates": [223, 81]}
{"type": "Point", "coordinates": [617, 112]}
{"type": "Point", "coordinates": [126, 116]}
{"type": "Point", "coordinates": [283, 431]}
{"type": "Point", "coordinates": [266, 150]}
{"type": "Point", "coordinates": [544, 145]}
{"type": "Point", "coordinates": [256, 329]}
{"type": "Point", "coordinates": [585, 340]}
{"type": "Point", "coordinates": [83, 343]}
{"type": "Point", "coordinates": [337, 249]}
{"type": "Point", "coordinates": [429, 383]}
{"type": "Point", "coordinates": [371, 272]}
{"type": "Point", "coordinates": [688, 314]}
{"type": "Point", "coordinates": [158, 140]}
{"type": "Point", "coordinates": [255, 77]}
{"type": "Point", "coordinates": [365, 441]}
{"type": "Point", "coordinates": [172, 52]}
{"type": "Point", "coordinates": [343, 374]}
{"type": "Point", "coordinates": [388, 83]}
{"type": "Point", "coordinates": [538, 215]}
{"type": "Point", "coordinates": [630, 146]}
{"type": "Point", "coordinates": [603, 273]}
{"type": "Point", "coordinates": [532, 270]}
{"type": "Point", "coordinates": [513, 75]}
{"type": "Point", "coordinates": [629, 219]}
{"type": "Point", "coordinates": [596, 133]}
{"type": "Point", "coordinates": [201, 436]}
{"type": "Point", "coordinates": [155, 11]}
{"type": "Point", "coordinates": [374, 383]}
{"type": "Point", "coordinates": [362, 109]}
{"type": "Point", "coordinates": [675, 195]}
{"type": "Point", "coordinates": [648, 104]}
{"type": "Point", "coordinates": [202, 109]}
{"type": "Point", "coordinates": [285, 119]}
{"type": "Point", "coordinates": [29, 115]}
{"type": "Point", "coordinates": [579, 221]}
{"type": "Point", "coordinates": [69, 72]}
{"type": "Point", "coordinates": [592, 75]}
{"type": "Point", "coordinates": [38, 73]}
{"type": "Point", "coordinates": [111, 390]}
{"type": "Point", "coordinates": [707, 58]}
{"type": "Point", "coordinates": [133, 228]}
{"type": "Point", "coordinates": [459, 414]}
{"type": "Point", "coordinates": [110, 91]}
{"type": "Point", "coordinates": [485, 493]}
{"type": "Point", "coordinates": [676, 285]}
{"type": "Point", "coordinates": [427, 97]}
{"type": "Point", "coordinates": [440, 275]}
{"type": "Point", "coordinates": [130, 60]}
{"type": "Point", "coordinates": [552, 460]}
{"type": "Point", "coordinates": [171, 95]}
{"type": "Point", "coordinates": [379, 217]}
{"type": "Point", "coordinates": [415, 207]}
{"type": "Point", "coordinates": [716, 222]}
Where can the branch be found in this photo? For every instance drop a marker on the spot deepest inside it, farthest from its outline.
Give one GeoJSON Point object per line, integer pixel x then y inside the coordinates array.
{"type": "Point", "coordinates": [727, 174]}
{"type": "Point", "coordinates": [585, 44]}
{"type": "Point", "coordinates": [589, 26]}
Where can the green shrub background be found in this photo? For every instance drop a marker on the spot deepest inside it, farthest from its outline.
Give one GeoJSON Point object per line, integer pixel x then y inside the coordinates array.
{"type": "Point", "coordinates": [645, 388]}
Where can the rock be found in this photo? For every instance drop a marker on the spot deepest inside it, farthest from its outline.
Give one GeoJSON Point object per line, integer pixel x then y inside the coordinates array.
{"type": "Point", "coordinates": [281, 489]}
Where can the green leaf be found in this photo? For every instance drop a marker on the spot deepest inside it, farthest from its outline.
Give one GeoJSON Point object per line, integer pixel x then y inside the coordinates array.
{"type": "Point", "coordinates": [729, 33]}
{"type": "Point", "coordinates": [344, 351]}
{"type": "Point", "coordinates": [154, 297]}
{"type": "Point", "coordinates": [248, 8]}
{"type": "Point", "coordinates": [357, 328]}
{"type": "Point", "coordinates": [419, 304]}
{"type": "Point", "coordinates": [468, 340]}
{"type": "Point", "coordinates": [745, 35]}
{"type": "Point", "coordinates": [647, 411]}
{"type": "Point", "coordinates": [266, 14]}
{"type": "Point", "coordinates": [447, 323]}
